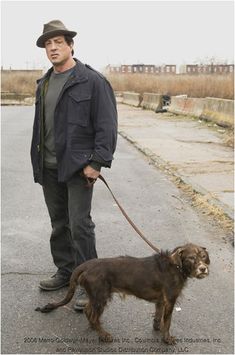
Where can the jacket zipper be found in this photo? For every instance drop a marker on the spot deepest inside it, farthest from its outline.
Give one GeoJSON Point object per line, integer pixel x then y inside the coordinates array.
{"type": "Point", "coordinates": [41, 145]}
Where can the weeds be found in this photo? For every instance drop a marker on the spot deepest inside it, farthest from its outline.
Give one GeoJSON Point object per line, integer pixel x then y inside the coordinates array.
{"type": "Point", "coordinates": [220, 86]}
{"type": "Point", "coordinates": [19, 83]}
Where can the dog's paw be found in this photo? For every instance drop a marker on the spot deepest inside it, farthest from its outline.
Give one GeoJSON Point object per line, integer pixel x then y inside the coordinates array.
{"type": "Point", "coordinates": [106, 338]}
{"type": "Point", "coordinates": [170, 340]}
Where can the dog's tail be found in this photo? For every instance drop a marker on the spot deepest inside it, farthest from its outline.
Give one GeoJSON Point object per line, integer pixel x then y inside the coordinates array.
{"type": "Point", "coordinates": [74, 280]}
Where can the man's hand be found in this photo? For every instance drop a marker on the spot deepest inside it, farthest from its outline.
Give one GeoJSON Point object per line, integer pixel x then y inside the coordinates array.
{"type": "Point", "coordinates": [90, 173]}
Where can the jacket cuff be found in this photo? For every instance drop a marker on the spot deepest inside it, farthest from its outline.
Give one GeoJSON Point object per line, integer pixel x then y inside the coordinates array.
{"type": "Point", "coordinates": [95, 165]}
{"type": "Point", "coordinates": [97, 159]}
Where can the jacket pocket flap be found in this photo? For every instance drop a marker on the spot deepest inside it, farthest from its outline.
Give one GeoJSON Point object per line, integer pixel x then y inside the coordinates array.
{"type": "Point", "coordinates": [79, 98]}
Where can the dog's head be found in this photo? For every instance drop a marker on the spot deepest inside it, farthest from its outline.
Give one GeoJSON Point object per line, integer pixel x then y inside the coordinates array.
{"type": "Point", "coordinates": [192, 259]}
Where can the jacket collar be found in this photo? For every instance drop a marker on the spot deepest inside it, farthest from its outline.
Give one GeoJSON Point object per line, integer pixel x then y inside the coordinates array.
{"type": "Point", "coordinates": [79, 74]}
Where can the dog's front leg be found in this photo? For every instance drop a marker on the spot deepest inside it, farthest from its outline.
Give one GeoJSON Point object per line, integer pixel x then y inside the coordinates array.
{"type": "Point", "coordinates": [166, 323]}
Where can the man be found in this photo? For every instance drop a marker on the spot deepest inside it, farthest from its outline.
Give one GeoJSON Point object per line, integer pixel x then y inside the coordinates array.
{"type": "Point", "coordinates": [74, 136]}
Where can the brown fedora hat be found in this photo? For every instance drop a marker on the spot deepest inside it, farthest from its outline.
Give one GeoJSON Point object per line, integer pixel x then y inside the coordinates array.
{"type": "Point", "coordinates": [52, 29]}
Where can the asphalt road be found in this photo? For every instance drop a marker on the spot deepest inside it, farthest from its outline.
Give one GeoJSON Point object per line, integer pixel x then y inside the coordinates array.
{"type": "Point", "coordinates": [203, 321]}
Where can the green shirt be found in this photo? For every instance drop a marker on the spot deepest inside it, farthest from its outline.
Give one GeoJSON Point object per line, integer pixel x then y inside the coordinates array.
{"type": "Point", "coordinates": [55, 85]}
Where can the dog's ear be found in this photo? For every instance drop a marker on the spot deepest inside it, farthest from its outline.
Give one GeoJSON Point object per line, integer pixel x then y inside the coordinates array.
{"type": "Point", "coordinates": [176, 256]}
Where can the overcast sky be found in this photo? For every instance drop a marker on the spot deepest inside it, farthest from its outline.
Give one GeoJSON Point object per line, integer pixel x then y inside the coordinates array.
{"type": "Point", "coordinates": [121, 32]}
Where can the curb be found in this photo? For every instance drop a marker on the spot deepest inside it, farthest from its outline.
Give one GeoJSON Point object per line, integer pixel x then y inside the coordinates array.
{"type": "Point", "coordinates": [166, 167]}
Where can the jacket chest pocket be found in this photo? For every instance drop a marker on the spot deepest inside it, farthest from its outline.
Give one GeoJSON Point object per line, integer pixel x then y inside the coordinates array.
{"type": "Point", "coordinates": [79, 108]}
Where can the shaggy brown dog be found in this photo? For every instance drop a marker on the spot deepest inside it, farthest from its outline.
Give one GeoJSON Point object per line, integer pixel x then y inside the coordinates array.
{"type": "Point", "coordinates": [159, 279]}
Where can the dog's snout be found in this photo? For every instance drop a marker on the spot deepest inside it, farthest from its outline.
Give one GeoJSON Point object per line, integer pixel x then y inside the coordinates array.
{"type": "Point", "coordinates": [202, 269]}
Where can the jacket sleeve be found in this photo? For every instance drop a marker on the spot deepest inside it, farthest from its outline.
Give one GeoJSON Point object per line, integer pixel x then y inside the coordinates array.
{"type": "Point", "coordinates": [104, 116]}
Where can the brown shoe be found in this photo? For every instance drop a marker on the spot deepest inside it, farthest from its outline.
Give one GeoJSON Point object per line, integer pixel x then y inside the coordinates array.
{"type": "Point", "coordinates": [55, 282]}
{"type": "Point", "coordinates": [81, 299]}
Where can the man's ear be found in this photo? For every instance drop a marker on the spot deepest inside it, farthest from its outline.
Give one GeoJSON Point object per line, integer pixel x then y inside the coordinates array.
{"type": "Point", "coordinates": [176, 256]}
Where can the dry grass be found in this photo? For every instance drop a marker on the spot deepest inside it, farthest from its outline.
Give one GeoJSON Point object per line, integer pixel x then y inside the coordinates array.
{"type": "Point", "coordinates": [204, 204]}
{"type": "Point", "coordinates": [19, 83]}
{"type": "Point", "coordinates": [221, 86]}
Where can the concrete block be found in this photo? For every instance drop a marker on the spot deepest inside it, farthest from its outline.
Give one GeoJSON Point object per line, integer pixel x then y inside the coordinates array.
{"type": "Point", "coordinates": [194, 106]}
{"type": "Point", "coordinates": [186, 105]}
{"type": "Point", "coordinates": [152, 101]}
{"type": "Point", "coordinates": [177, 104]}
{"type": "Point", "coordinates": [212, 109]}
{"type": "Point", "coordinates": [132, 98]}
{"type": "Point", "coordinates": [219, 111]}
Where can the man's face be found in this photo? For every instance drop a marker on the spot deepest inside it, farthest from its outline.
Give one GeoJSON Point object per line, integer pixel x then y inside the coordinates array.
{"type": "Point", "coordinates": [58, 51]}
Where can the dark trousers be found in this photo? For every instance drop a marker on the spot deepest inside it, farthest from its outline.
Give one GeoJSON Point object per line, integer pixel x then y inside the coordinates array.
{"type": "Point", "coordinates": [69, 205]}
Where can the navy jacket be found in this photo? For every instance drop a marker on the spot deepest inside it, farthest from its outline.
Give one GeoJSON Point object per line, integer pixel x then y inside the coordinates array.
{"type": "Point", "coordinates": [85, 123]}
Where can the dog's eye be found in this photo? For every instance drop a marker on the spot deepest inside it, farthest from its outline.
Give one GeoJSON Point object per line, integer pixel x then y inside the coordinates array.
{"type": "Point", "coordinates": [203, 256]}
